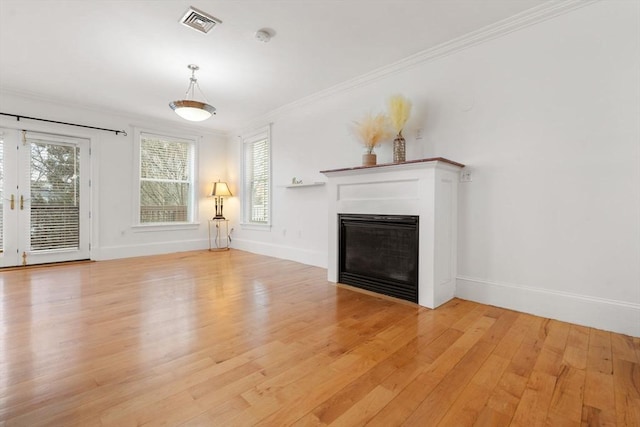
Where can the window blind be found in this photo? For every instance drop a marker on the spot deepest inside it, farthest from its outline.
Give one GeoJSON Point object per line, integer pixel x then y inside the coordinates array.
{"type": "Point", "coordinates": [257, 181]}
{"type": "Point", "coordinates": [54, 196]}
{"type": "Point", "coordinates": [165, 179]}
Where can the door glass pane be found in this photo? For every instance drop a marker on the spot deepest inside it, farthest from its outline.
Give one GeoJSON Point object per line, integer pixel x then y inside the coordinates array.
{"type": "Point", "coordinates": [55, 213]}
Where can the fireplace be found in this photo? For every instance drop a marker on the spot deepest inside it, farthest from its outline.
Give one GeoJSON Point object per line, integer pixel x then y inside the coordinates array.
{"type": "Point", "coordinates": [425, 190]}
{"type": "Point", "coordinates": [379, 253]}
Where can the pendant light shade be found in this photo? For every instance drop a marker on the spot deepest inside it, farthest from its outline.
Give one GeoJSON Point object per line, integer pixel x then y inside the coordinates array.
{"type": "Point", "coordinates": [194, 111]}
{"type": "Point", "coordinates": [189, 108]}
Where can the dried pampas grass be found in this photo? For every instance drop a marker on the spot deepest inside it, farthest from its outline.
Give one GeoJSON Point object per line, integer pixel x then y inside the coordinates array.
{"type": "Point", "coordinates": [399, 111]}
{"type": "Point", "coordinates": [371, 130]}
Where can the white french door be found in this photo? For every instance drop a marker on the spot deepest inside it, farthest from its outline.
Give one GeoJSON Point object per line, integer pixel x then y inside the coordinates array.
{"type": "Point", "coordinates": [44, 198]}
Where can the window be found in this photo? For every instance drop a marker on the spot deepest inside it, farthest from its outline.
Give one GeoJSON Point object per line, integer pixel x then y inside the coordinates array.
{"type": "Point", "coordinates": [166, 183]}
{"type": "Point", "coordinates": [256, 167]}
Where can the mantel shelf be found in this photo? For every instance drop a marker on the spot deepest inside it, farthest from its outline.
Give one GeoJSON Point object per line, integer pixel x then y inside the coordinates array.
{"type": "Point", "coordinates": [313, 184]}
{"type": "Point", "coordinates": [433, 160]}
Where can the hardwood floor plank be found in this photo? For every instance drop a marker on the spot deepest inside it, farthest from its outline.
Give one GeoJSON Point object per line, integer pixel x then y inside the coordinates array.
{"type": "Point", "coordinates": [622, 347]}
{"type": "Point", "coordinates": [503, 324]}
{"type": "Point", "coordinates": [440, 399]}
{"type": "Point", "coordinates": [506, 395]}
{"type": "Point", "coordinates": [364, 409]}
{"type": "Point", "coordinates": [599, 356]}
{"type": "Point", "coordinates": [599, 406]}
{"type": "Point", "coordinates": [576, 351]}
{"type": "Point", "coordinates": [553, 349]}
{"type": "Point", "coordinates": [511, 341]}
{"type": "Point", "coordinates": [470, 318]}
{"type": "Point", "coordinates": [406, 401]}
{"type": "Point", "coordinates": [222, 415]}
{"type": "Point", "coordinates": [171, 410]}
{"type": "Point", "coordinates": [465, 411]}
{"type": "Point", "coordinates": [567, 399]}
{"type": "Point", "coordinates": [536, 398]}
{"type": "Point", "coordinates": [406, 360]}
{"type": "Point", "coordinates": [492, 418]}
{"type": "Point", "coordinates": [238, 339]}
{"type": "Point", "coordinates": [341, 372]}
{"type": "Point", "coordinates": [626, 379]}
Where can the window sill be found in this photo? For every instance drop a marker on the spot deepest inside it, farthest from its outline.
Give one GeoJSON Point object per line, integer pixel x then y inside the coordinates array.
{"type": "Point", "coordinates": [142, 228]}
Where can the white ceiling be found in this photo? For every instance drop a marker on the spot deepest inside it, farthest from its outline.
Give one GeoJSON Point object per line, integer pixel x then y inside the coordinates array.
{"type": "Point", "coordinates": [131, 56]}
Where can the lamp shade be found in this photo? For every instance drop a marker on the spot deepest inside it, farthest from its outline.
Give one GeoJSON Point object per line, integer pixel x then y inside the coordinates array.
{"type": "Point", "coordinates": [221, 189]}
{"type": "Point", "coordinates": [194, 111]}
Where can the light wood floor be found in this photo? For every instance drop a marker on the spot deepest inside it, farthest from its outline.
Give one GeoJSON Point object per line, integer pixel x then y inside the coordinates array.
{"type": "Point", "coordinates": [217, 339]}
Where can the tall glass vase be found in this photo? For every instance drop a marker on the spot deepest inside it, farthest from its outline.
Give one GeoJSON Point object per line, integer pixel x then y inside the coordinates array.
{"type": "Point", "coordinates": [399, 150]}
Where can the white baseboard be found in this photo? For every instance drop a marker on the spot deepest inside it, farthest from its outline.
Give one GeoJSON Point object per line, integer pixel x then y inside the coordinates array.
{"type": "Point", "coordinates": [130, 251]}
{"type": "Point", "coordinates": [303, 256]}
{"type": "Point", "coordinates": [600, 313]}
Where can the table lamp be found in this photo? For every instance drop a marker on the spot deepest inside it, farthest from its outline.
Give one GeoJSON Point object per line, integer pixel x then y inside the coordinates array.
{"type": "Point", "coordinates": [220, 189]}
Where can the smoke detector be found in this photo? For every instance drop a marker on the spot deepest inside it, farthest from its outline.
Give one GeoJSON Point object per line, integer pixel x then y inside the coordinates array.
{"type": "Point", "coordinates": [263, 36]}
{"type": "Point", "coordinates": [199, 20]}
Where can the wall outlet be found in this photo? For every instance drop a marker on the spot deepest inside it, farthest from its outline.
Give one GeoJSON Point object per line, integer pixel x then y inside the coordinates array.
{"type": "Point", "coordinates": [465, 176]}
{"type": "Point", "coordinates": [419, 133]}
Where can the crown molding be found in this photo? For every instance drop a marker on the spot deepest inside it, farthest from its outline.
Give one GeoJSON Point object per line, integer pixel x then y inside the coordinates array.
{"type": "Point", "coordinates": [498, 29]}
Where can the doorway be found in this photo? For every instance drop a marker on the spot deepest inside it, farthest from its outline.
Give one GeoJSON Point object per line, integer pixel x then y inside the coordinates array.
{"type": "Point", "coordinates": [44, 198]}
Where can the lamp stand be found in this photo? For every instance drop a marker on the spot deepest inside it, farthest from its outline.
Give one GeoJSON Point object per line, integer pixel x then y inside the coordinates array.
{"type": "Point", "coordinates": [219, 208]}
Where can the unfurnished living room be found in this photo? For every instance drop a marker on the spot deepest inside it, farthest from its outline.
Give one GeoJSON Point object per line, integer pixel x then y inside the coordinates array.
{"type": "Point", "coordinates": [320, 212]}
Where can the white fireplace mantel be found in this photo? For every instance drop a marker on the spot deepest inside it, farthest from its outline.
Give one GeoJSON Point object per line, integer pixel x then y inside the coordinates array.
{"type": "Point", "coordinates": [427, 188]}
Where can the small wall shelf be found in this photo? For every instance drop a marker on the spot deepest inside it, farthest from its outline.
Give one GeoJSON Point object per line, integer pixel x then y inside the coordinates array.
{"type": "Point", "coordinates": [313, 184]}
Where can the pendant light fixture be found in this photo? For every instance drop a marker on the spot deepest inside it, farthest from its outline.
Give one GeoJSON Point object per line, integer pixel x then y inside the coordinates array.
{"type": "Point", "coordinates": [189, 108]}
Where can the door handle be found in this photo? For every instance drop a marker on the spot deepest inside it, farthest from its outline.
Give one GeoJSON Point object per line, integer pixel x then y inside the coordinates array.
{"type": "Point", "coordinates": [13, 202]}
{"type": "Point", "coordinates": [22, 200]}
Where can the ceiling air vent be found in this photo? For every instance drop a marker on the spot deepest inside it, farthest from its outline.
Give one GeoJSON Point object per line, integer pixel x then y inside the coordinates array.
{"type": "Point", "coordinates": [199, 20]}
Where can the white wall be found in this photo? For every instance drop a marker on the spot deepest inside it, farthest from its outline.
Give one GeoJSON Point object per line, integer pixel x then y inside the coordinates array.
{"type": "Point", "coordinates": [112, 234]}
{"type": "Point", "coordinates": [547, 120]}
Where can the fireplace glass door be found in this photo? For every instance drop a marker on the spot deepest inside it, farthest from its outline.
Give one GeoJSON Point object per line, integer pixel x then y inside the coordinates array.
{"type": "Point", "coordinates": [379, 253]}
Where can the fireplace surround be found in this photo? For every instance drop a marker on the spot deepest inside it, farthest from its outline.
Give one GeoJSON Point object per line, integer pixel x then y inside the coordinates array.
{"type": "Point", "coordinates": [426, 189]}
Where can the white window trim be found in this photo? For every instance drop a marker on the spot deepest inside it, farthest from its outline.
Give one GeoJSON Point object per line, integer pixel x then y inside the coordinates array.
{"type": "Point", "coordinates": [249, 138]}
{"type": "Point", "coordinates": [142, 227]}
{"type": "Point", "coordinates": [170, 226]}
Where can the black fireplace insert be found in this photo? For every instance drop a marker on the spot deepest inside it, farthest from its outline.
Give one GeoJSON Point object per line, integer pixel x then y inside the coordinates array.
{"type": "Point", "coordinates": [379, 253]}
